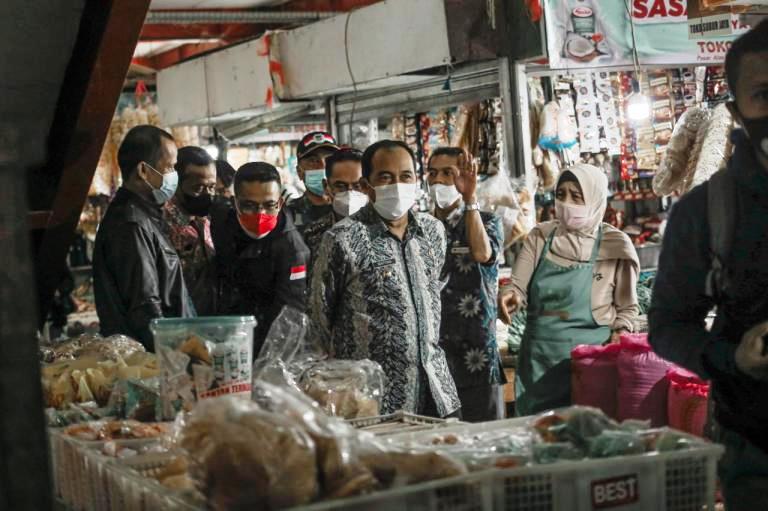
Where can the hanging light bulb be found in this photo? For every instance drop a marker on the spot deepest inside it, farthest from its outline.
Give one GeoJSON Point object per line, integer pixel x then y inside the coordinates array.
{"type": "Point", "coordinates": [638, 104]}
{"type": "Point", "coordinates": [212, 150]}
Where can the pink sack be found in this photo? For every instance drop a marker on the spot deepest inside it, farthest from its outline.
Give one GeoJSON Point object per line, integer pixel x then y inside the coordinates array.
{"type": "Point", "coordinates": [643, 386]}
{"type": "Point", "coordinates": [594, 377]}
{"type": "Point", "coordinates": [687, 402]}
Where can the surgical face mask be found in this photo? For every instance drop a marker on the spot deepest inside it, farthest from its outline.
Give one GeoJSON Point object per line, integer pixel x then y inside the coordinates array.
{"type": "Point", "coordinates": [199, 205]}
{"type": "Point", "coordinates": [572, 216]}
{"type": "Point", "coordinates": [257, 225]}
{"type": "Point", "coordinates": [444, 196]}
{"type": "Point", "coordinates": [313, 179]}
{"type": "Point", "coordinates": [394, 201]}
{"type": "Point", "coordinates": [757, 129]}
{"type": "Point", "coordinates": [348, 203]}
{"type": "Point", "coordinates": [167, 189]}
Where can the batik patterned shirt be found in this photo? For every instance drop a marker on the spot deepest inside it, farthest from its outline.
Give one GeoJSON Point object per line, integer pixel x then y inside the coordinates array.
{"type": "Point", "coordinates": [191, 236]}
{"type": "Point", "coordinates": [374, 296]}
{"type": "Point", "coordinates": [468, 327]}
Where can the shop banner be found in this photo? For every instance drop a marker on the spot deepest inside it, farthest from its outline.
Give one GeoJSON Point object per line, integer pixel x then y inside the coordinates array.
{"type": "Point", "coordinates": [597, 33]}
{"type": "Point", "coordinates": [706, 19]}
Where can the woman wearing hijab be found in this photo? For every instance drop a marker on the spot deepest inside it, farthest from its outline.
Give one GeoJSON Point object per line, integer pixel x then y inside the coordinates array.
{"type": "Point", "coordinates": [577, 278]}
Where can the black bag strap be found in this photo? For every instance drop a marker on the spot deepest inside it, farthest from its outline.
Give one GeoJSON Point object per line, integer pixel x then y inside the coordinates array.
{"type": "Point", "coordinates": [721, 215]}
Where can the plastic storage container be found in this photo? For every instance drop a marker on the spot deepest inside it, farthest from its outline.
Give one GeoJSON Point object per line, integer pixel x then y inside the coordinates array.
{"type": "Point", "coordinates": [201, 358]}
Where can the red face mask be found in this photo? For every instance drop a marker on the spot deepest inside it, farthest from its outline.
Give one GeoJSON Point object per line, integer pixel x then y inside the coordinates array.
{"type": "Point", "coordinates": [257, 225]}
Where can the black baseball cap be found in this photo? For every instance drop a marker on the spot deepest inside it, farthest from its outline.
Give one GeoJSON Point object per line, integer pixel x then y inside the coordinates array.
{"type": "Point", "coordinates": [314, 141]}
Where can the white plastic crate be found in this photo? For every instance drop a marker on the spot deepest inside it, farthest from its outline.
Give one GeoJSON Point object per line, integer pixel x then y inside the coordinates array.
{"type": "Point", "coordinates": [131, 486]}
{"type": "Point", "coordinates": [675, 481]}
{"type": "Point", "coordinates": [399, 422]}
{"type": "Point", "coordinates": [78, 469]}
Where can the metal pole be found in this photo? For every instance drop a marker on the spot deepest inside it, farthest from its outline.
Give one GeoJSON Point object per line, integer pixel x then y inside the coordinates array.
{"type": "Point", "coordinates": [193, 17]}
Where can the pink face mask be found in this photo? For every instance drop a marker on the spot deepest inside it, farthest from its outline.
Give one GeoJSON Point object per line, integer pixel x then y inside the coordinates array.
{"type": "Point", "coordinates": [572, 216]}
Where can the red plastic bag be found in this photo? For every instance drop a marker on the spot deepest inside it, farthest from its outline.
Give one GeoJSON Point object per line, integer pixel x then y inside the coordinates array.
{"type": "Point", "coordinates": [643, 386]}
{"type": "Point", "coordinates": [687, 401]}
{"type": "Point", "coordinates": [595, 377]}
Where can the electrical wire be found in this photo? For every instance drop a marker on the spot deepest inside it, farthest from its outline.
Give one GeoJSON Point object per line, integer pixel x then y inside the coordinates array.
{"type": "Point", "coordinates": [635, 58]}
{"type": "Point", "coordinates": [349, 69]}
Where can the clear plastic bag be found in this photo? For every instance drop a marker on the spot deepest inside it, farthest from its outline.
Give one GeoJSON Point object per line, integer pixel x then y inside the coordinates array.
{"type": "Point", "coordinates": [576, 424]}
{"type": "Point", "coordinates": [346, 388]}
{"type": "Point", "coordinates": [244, 457]}
{"type": "Point", "coordinates": [285, 353]}
{"type": "Point", "coordinates": [341, 471]}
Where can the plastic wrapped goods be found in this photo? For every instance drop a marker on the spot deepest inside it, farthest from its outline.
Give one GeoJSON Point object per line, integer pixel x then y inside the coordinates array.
{"type": "Point", "coordinates": [247, 458]}
{"type": "Point", "coordinates": [687, 401]}
{"type": "Point", "coordinates": [595, 377]}
{"type": "Point", "coordinates": [672, 170]}
{"type": "Point", "coordinates": [201, 358]}
{"type": "Point", "coordinates": [643, 385]}
{"type": "Point", "coordinates": [346, 388]}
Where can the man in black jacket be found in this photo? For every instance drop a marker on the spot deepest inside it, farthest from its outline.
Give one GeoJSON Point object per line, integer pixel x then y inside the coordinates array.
{"type": "Point", "coordinates": [261, 254]}
{"type": "Point", "coordinates": [136, 271]}
{"type": "Point", "coordinates": [733, 354]}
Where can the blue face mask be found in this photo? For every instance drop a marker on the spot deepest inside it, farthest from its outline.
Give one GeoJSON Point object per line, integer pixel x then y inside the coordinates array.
{"type": "Point", "coordinates": [167, 189]}
{"type": "Point", "coordinates": [313, 179]}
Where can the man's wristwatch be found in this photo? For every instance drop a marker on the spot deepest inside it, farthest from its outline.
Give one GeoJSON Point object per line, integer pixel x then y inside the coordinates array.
{"type": "Point", "coordinates": [473, 207]}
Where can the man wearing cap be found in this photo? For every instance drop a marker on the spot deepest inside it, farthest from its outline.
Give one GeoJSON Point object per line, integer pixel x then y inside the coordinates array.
{"type": "Point", "coordinates": [313, 149]}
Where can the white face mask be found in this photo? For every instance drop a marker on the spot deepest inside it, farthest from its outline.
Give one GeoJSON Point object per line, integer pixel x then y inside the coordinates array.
{"type": "Point", "coordinates": [572, 216]}
{"type": "Point", "coordinates": [394, 201]}
{"type": "Point", "coordinates": [348, 203]}
{"type": "Point", "coordinates": [444, 196]}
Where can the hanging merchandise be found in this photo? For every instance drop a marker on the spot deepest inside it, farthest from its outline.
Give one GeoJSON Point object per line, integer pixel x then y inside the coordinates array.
{"type": "Point", "coordinates": [672, 171]}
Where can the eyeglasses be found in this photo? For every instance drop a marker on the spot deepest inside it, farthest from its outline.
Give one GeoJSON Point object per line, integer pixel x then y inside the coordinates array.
{"type": "Point", "coordinates": [341, 187]}
{"type": "Point", "coordinates": [201, 189]}
{"type": "Point", "coordinates": [250, 207]}
{"type": "Point", "coordinates": [167, 171]}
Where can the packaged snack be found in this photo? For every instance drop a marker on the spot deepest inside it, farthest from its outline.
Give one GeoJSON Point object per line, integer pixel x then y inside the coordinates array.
{"type": "Point", "coordinates": [201, 358]}
{"type": "Point", "coordinates": [346, 388]}
{"type": "Point", "coordinates": [247, 458]}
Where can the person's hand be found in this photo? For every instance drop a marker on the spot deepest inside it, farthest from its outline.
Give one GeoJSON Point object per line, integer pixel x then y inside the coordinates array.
{"type": "Point", "coordinates": [509, 303]}
{"type": "Point", "coordinates": [465, 178]}
{"type": "Point", "coordinates": [751, 356]}
{"type": "Point", "coordinates": [616, 336]}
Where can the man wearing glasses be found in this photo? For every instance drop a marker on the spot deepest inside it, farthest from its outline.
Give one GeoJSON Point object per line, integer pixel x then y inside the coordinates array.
{"type": "Point", "coordinates": [262, 256]}
{"type": "Point", "coordinates": [136, 270]}
{"type": "Point", "coordinates": [189, 227]}
{"type": "Point", "coordinates": [343, 172]}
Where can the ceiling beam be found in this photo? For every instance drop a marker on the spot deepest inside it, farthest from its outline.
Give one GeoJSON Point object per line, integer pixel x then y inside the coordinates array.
{"type": "Point", "coordinates": [175, 55]}
{"type": "Point", "coordinates": [228, 32]}
{"type": "Point", "coordinates": [94, 78]}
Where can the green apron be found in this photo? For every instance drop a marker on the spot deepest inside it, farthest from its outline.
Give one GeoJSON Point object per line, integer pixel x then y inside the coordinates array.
{"type": "Point", "coordinates": [559, 318]}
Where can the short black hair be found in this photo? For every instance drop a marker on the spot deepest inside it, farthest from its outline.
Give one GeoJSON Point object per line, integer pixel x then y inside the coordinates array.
{"type": "Point", "coordinates": [142, 143]}
{"type": "Point", "coordinates": [388, 145]}
{"type": "Point", "coordinates": [754, 41]}
{"type": "Point", "coordinates": [258, 172]}
{"type": "Point", "coordinates": [191, 155]}
{"type": "Point", "coordinates": [453, 152]}
{"type": "Point", "coordinates": [225, 172]}
{"type": "Point", "coordinates": [340, 156]}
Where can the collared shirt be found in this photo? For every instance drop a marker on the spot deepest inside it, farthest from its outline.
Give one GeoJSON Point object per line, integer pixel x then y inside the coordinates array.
{"type": "Point", "coordinates": [377, 297]}
{"type": "Point", "coordinates": [468, 327]}
{"type": "Point", "coordinates": [191, 236]}
{"type": "Point", "coordinates": [313, 233]}
{"type": "Point", "coordinates": [304, 212]}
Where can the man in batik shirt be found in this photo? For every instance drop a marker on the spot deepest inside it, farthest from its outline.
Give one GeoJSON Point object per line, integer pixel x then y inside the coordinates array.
{"type": "Point", "coordinates": [468, 327]}
{"type": "Point", "coordinates": [189, 229]}
{"type": "Point", "coordinates": [375, 290]}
